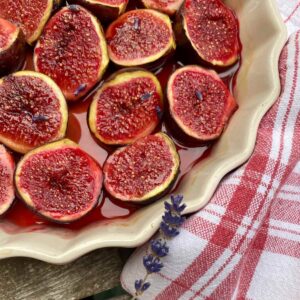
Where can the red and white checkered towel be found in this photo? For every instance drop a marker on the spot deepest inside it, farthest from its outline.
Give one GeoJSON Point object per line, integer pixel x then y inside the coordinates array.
{"type": "Point", "coordinates": [245, 244]}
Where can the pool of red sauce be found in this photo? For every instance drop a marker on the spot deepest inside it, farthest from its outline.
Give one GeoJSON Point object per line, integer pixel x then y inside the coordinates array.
{"type": "Point", "coordinates": [78, 131]}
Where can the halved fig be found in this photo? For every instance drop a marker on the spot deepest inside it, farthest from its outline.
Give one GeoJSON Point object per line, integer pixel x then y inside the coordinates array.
{"type": "Point", "coordinates": [72, 51]}
{"type": "Point", "coordinates": [199, 102]}
{"type": "Point", "coordinates": [142, 171]}
{"type": "Point", "coordinates": [59, 181]}
{"type": "Point", "coordinates": [31, 16]}
{"type": "Point", "coordinates": [169, 7]}
{"type": "Point", "coordinates": [140, 37]}
{"type": "Point", "coordinates": [213, 31]}
{"type": "Point", "coordinates": [7, 193]}
{"type": "Point", "coordinates": [105, 10]}
{"type": "Point", "coordinates": [126, 107]}
{"type": "Point", "coordinates": [33, 111]}
{"type": "Point", "coordinates": [12, 47]}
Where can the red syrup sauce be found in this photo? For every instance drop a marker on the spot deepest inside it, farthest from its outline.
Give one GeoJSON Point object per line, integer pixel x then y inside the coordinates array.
{"type": "Point", "coordinates": [78, 131]}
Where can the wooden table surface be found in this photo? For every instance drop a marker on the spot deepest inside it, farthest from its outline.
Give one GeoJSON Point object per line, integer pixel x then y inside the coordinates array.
{"type": "Point", "coordinates": [29, 279]}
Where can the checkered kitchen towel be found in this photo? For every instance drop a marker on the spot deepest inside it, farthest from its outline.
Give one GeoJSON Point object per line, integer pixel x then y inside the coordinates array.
{"type": "Point", "coordinates": [245, 244]}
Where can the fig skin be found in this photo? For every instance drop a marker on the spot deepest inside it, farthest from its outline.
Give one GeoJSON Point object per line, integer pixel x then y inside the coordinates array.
{"type": "Point", "coordinates": [105, 12]}
{"type": "Point", "coordinates": [12, 55]}
{"type": "Point", "coordinates": [184, 40]}
{"type": "Point", "coordinates": [23, 147]}
{"type": "Point", "coordinates": [156, 192]}
{"type": "Point", "coordinates": [62, 217]}
{"type": "Point", "coordinates": [8, 164]}
{"type": "Point", "coordinates": [57, 4]}
{"type": "Point", "coordinates": [170, 9]}
{"type": "Point", "coordinates": [151, 62]}
{"type": "Point", "coordinates": [13, 11]}
{"type": "Point", "coordinates": [70, 93]}
{"type": "Point", "coordinates": [122, 77]}
{"type": "Point", "coordinates": [229, 109]}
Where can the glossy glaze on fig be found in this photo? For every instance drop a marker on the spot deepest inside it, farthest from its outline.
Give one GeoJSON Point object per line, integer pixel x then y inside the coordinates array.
{"type": "Point", "coordinates": [78, 130]}
{"type": "Point", "coordinates": [212, 30]}
{"type": "Point", "coordinates": [110, 208]}
{"type": "Point", "coordinates": [142, 171]}
{"type": "Point", "coordinates": [59, 181]}
{"type": "Point", "coordinates": [72, 51]}
{"type": "Point", "coordinates": [31, 15]}
{"type": "Point", "coordinates": [139, 38]}
{"type": "Point", "coordinates": [105, 10]}
{"type": "Point", "coordinates": [7, 192]}
{"type": "Point", "coordinates": [12, 47]}
{"type": "Point", "coordinates": [33, 111]}
{"type": "Point", "coordinates": [126, 107]}
{"type": "Point", "coordinates": [199, 102]}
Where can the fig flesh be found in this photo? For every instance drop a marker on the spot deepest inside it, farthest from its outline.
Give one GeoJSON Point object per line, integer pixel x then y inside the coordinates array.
{"type": "Point", "coordinates": [169, 7]}
{"type": "Point", "coordinates": [126, 107]}
{"type": "Point", "coordinates": [105, 10]}
{"type": "Point", "coordinates": [59, 181]}
{"type": "Point", "coordinates": [7, 193]}
{"type": "Point", "coordinates": [140, 37]}
{"type": "Point", "coordinates": [142, 171]}
{"type": "Point", "coordinates": [213, 31]}
{"type": "Point", "coordinates": [12, 47]}
{"type": "Point", "coordinates": [72, 51]}
{"type": "Point", "coordinates": [199, 102]}
{"type": "Point", "coordinates": [33, 111]}
{"type": "Point", "coordinates": [31, 16]}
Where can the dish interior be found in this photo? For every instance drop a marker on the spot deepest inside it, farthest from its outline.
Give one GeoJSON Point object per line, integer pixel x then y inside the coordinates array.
{"type": "Point", "coordinates": [109, 208]}
{"type": "Point", "coordinates": [263, 35]}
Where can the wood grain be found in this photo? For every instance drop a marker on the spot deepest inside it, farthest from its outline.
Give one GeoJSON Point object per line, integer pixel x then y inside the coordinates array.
{"type": "Point", "coordinates": [24, 278]}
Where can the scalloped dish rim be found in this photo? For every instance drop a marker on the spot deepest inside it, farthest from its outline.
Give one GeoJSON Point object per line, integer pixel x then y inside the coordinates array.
{"type": "Point", "coordinates": [257, 88]}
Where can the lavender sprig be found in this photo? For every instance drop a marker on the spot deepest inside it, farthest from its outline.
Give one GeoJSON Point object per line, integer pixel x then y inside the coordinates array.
{"type": "Point", "coordinates": [158, 248]}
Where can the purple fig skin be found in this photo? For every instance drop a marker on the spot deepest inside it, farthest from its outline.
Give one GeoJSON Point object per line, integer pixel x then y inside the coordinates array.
{"type": "Point", "coordinates": [151, 61]}
{"type": "Point", "coordinates": [65, 214]}
{"type": "Point", "coordinates": [57, 4]}
{"type": "Point", "coordinates": [192, 56]}
{"type": "Point", "coordinates": [202, 115]}
{"type": "Point", "coordinates": [138, 119]}
{"type": "Point", "coordinates": [124, 158]}
{"type": "Point", "coordinates": [62, 61]}
{"type": "Point", "coordinates": [13, 57]}
{"type": "Point", "coordinates": [104, 12]}
{"type": "Point", "coordinates": [7, 166]}
{"type": "Point", "coordinates": [30, 16]}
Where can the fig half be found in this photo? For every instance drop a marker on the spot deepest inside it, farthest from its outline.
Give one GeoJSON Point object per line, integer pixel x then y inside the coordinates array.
{"type": "Point", "coordinates": [126, 107]}
{"type": "Point", "coordinates": [199, 102]}
{"type": "Point", "coordinates": [169, 7]}
{"type": "Point", "coordinates": [142, 171]}
{"type": "Point", "coordinates": [7, 193]}
{"type": "Point", "coordinates": [105, 10]}
{"type": "Point", "coordinates": [59, 181]}
{"type": "Point", "coordinates": [213, 31]}
{"type": "Point", "coordinates": [139, 38]}
{"type": "Point", "coordinates": [33, 111]}
{"type": "Point", "coordinates": [72, 51]}
{"type": "Point", "coordinates": [31, 16]}
{"type": "Point", "coordinates": [12, 47]}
